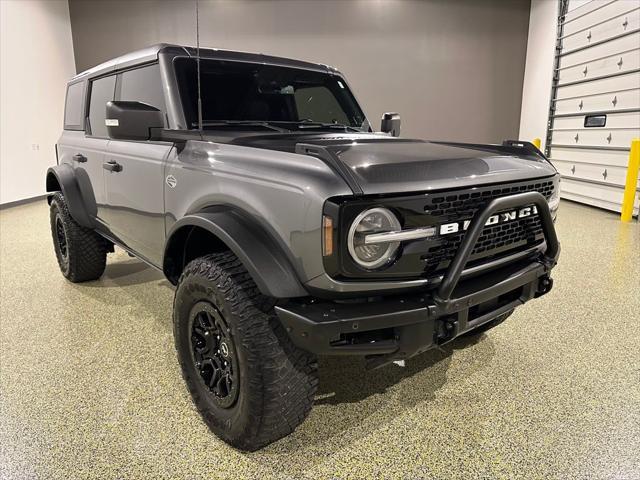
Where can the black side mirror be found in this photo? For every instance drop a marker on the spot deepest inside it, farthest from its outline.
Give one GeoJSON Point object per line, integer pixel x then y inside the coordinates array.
{"type": "Point", "coordinates": [132, 120]}
{"type": "Point", "coordinates": [390, 124]}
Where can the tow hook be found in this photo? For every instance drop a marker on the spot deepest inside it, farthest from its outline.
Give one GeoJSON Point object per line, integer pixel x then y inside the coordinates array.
{"type": "Point", "coordinates": [544, 285]}
{"type": "Point", "coordinates": [449, 330]}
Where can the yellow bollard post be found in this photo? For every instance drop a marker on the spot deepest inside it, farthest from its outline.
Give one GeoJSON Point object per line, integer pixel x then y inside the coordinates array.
{"type": "Point", "coordinates": [632, 181]}
{"type": "Point", "coordinates": [537, 142]}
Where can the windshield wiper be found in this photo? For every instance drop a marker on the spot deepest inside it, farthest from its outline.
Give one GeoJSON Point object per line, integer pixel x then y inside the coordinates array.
{"type": "Point", "coordinates": [311, 124]}
{"type": "Point", "coordinates": [246, 123]}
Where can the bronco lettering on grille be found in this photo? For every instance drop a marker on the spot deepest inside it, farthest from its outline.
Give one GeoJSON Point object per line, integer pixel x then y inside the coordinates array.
{"type": "Point", "coordinates": [504, 217]}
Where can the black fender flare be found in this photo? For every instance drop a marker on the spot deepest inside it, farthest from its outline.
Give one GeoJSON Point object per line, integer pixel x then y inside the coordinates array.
{"type": "Point", "coordinates": [63, 177]}
{"type": "Point", "coordinates": [257, 250]}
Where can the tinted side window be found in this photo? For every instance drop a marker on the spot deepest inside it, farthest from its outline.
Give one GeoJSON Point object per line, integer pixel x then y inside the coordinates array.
{"type": "Point", "coordinates": [73, 107]}
{"type": "Point", "coordinates": [101, 92]}
{"type": "Point", "coordinates": [142, 85]}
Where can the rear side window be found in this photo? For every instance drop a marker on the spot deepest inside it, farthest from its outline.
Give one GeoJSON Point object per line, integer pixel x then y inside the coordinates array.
{"type": "Point", "coordinates": [142, 85]}
{"type": "Point", "coordinates": [73, 107]}
{"type": "Point", "coordinates": [102, 91]}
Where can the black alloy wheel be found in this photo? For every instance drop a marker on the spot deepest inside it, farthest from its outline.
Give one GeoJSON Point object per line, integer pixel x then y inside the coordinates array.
{"type": "Point", "coordinates": [61, 239]}
{"type": "Point", "coordinates": [214, 354]}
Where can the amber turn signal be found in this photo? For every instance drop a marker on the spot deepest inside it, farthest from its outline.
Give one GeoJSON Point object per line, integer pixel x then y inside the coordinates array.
{"type": "Point", "coordinates": [327, 236]}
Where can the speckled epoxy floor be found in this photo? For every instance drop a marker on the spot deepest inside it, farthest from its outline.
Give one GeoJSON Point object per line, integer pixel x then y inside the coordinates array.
{"type": "Point", "coordinates": [90, 387]}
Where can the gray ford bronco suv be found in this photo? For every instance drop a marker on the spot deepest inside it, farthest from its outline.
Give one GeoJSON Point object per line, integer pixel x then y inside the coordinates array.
{"type": "Point", "coordinates": [288, 226]}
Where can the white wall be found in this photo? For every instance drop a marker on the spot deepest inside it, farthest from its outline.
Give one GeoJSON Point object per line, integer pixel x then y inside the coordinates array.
{"type": "Point", "coordinates": [36, 60]}
{"type": "Point", "coordinates": [536, 91]}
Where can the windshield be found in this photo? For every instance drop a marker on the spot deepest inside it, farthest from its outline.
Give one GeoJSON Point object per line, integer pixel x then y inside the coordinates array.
{"type": "Point", "coordinates": [255, 94]}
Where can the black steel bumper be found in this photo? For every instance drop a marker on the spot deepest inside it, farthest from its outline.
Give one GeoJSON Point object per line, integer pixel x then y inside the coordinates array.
{"type": "Point", "coordinates": [399, 327]}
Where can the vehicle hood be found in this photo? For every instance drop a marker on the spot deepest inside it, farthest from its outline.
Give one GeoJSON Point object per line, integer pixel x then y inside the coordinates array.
{"type": "Point", "coordinates": [379, 164]}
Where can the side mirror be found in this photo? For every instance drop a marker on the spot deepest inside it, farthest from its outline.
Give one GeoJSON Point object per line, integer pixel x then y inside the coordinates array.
{"type": "Point", "coordinates": [132, 120]}
{"type": "Point", "coordinates": [391, 124]}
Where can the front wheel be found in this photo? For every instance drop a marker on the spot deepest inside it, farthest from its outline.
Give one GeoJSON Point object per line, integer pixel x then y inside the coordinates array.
{"type": "Point", "coordinates": [251, 385]}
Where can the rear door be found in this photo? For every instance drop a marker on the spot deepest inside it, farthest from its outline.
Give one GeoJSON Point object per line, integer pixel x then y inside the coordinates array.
{"type": "Point", "coordinates": [84, 141]}
{"type": "Point", "coordinates": [135, 193]}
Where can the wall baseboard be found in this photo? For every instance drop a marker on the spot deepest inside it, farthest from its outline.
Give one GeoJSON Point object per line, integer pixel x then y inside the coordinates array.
{"type": "Point", "coordinates": [24, 201]}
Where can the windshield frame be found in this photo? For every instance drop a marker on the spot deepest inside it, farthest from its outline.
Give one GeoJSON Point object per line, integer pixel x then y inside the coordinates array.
{"type": "Point", "coordinates": [189, 104]}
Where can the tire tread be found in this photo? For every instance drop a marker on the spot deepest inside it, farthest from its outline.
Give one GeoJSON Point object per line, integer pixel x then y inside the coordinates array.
{"type": "Point", "coordinates": [87, 250]}
{"type": "Point", "coordinates": [284, 386]}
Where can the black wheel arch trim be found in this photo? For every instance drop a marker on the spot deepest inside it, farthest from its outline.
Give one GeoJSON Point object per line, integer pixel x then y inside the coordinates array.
{"type": "Point", "coordinates": [259, 253]}
{"type": "Point", "coordinates": [64, 178]}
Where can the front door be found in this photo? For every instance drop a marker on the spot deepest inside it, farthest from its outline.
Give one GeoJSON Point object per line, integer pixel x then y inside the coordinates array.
{"type": "Point", "coordinates": [134, 173]}
{"type": "Point", "coordinates": [134, 183]}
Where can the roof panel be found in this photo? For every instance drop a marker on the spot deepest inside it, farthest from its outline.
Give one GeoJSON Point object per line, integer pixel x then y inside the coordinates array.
{"type": "Point", "coordinates": [151, 53]}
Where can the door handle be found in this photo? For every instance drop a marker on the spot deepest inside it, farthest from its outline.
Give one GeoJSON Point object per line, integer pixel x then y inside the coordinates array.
{"type": "Point", "coordinates": [78, 157]}
{"type": "Point", "coordinates": [112, 166]}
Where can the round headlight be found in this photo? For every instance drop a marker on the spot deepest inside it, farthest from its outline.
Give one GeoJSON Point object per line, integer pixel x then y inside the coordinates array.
{"type": "Point", "coordinates": [372, 255]}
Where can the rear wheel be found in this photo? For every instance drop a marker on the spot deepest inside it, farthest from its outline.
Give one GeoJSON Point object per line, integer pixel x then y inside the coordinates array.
{"type": "Point", "coordinates": [80, 251]}
{"type": "Point", "coordinates": [251, 385]}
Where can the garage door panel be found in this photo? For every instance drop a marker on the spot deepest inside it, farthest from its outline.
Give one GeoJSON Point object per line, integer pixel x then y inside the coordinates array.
{"type": "Point", "coordinates": [612, 158]}
{"type": "Point", "coordinates": [616, 100]}
{"type": "Point", "coordinates": [580, 8]}
{"type": "Point", "coordinates": [629, 120]}
{"type": "Point", "coordinates": [597, 87]}
{"type": "Point", "coordinates": [607, 29]}
{"type": "Point", "coordinates": [602, 196]}
{"type": "Point", "coordinates": [592, 171]}
{"type": "Point", "coordinates": [600, 67]}
{"type": "Point", "coordinates": [619, 45]}
{"type": "Point", "coordinates": [601, 10]}
{"type": "Point", "coordinates": [598, 138]}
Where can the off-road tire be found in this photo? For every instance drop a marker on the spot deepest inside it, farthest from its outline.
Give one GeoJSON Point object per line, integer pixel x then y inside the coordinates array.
{"type": "Point", "coordinates": [85, 252]}
{"type": "Point", "coordinates": [277, 381]}
{"type": "Point", "coordinates": [489, 325]}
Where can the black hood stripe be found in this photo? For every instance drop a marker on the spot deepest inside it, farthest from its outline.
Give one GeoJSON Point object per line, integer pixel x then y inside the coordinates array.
{"type": "Point", "coordinates": [334, 162]}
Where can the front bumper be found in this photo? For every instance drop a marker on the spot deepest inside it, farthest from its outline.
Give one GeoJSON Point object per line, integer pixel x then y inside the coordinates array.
{"type": "Point", "coordinates": [398, 327]}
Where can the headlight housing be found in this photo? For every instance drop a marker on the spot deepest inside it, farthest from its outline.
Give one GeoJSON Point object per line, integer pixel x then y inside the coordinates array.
{"type": "Point", "coordinates": [371, 221]}
{"type": "Point", "coordinates": [554, 200]}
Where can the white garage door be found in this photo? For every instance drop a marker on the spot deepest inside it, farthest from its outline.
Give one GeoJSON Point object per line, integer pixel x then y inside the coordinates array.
{"type": "Point", "coordinates": [595, 107]}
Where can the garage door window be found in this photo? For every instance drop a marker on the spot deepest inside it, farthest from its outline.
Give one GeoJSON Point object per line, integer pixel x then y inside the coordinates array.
{"type": "Point", "coordinates": [102, 91]}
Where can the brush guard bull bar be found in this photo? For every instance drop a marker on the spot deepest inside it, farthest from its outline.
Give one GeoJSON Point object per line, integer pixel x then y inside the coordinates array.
{"type": "Point", "coordinates": [400, 326]}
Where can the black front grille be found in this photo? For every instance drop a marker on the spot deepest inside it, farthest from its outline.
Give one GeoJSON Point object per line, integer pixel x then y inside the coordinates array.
{"type": "Point", "coordinates": [515, 235]}
{"type": "Point", "coordinates": [465, 204]}
{"type": "Point", "coordinates": [431, 256]}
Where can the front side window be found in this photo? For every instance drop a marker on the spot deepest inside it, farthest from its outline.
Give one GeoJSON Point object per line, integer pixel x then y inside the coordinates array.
{"type": "Point", "coordinates": [250, 92]}
{"type": "Point", "coordinates": [102, 91]}
{"type": "Point", "coordinates": [73, 106]}
{"type": "Point", "coordinates": [141, 85]}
